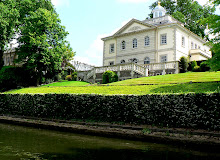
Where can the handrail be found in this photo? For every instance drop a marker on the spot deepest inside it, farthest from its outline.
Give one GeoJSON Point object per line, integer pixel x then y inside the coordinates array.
{"type": "Point", "coordinates": [140, 69]}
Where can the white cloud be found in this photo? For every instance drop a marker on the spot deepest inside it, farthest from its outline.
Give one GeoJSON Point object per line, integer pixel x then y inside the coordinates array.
{"type": "Point", "coordinates": [132, 1]}
{"type": "Point", "coordinates": [60, 2]}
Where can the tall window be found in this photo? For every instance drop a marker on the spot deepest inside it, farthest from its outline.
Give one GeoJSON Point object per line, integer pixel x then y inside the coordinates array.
{"type": "Point", "coordinates": [122, 61]}
{"type": "Point", "coordinates": [163, 38]}
{"type": "Point", "coordinates": [160, 14]}
{"type": "Point", "coordinates": [134, 60]}
{"type": "Point", "coordinates": [123, 45]}
{"type": "Point", "coordinates": [195, 46]}
{"type": "Point", "coordinates": [163, 58]}
{"type": "Point", "coordinates": [135, 43]}
{"type": "Point", "coordinates": [111, 63]}
{"type": "Point", "coordinates": [183, 41]}
{"type": "Point", "coordinates": [192, 45]}
{"type": "Point", "coordinates": [112, 48]}
{"type": "Point", "coordinates": [147, 41]}
{"type": "Point", "coordinates": [147, 60]}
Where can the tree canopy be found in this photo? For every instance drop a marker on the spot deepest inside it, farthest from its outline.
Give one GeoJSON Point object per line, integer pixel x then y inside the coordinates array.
{"type": "Point", "coordinates": [213, 22]}
{"type": "Point", "coordinates": [41, 37]}
{"type": "Point", "coordinates": [8, 19]}
{"type": "Point", "coordinates": [189, 12]}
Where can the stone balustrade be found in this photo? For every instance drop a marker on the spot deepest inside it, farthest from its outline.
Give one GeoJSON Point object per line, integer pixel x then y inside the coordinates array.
{"type": "Point", "coordinates": [133, 70]}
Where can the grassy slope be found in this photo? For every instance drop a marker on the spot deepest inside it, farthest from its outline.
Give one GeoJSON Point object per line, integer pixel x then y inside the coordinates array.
{"type": "Point", "coordinates": [174, 78]}
{"type": "Point", "coordinates": [162, 86]}
{"type": "Point", "coordinates": [66, 84]}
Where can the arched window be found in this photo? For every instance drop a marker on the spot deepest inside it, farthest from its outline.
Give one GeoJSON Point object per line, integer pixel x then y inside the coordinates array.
{"type": "Point", "coordinates": [147, 60]}
{"type": "Point", "coordinates": [156, 14]}
{"type": "Point", "coordinates": [122, 61]}
{"type": "Point", "coordinates": [135, 43]}
{"type": "Point", "coordinates": [123, 44]}
{"type": "Point", "coordinates": [160, 14]}
{"type": "Point", "coordinates": [134, 60]}
{"type": "Point", "coordinates": [147, 41]}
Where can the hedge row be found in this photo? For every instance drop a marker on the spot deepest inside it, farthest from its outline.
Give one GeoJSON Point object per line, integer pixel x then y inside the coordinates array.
{"type": "Point", "coordinates": [199, 111]}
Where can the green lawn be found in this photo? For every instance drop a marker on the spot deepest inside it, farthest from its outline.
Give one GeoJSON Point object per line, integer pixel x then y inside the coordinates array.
{"type": "Point", "coordinates": [173, 78]}
{"type": "Point", "coordinates": [162, 84]}
{"type": "Point", "coordinates": [138, 90]}
{"type": "Point", "coordinates": [66, 84]}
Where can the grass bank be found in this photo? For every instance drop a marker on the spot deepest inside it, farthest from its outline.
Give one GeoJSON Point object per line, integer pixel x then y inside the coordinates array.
{"type": "Point", "coordinates": [174, 78]}
{"type": "Point", "coordinates": [192, 82]}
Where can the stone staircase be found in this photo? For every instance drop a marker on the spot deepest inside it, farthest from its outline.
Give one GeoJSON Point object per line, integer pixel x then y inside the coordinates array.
{"type": "Point", "coordinates": [129, 71]}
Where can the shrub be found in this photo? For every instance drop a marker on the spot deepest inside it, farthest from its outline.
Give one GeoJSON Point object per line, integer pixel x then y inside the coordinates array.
{"type": "Point", "coordinates": [196, 69]}
{"type": "Point", "coordinates": [109, 77]}
{"type": "Point", "coordinates": [68, 77]}
{"type": "Point", "coordinates": [11, 77]}
{"type": "Point", "coordinates": [204, 67]}
{"type": "Point", "coordinates": [183, 64]}
{"type": "Point", "coordinates": [193, 64]}
{"type": "Point", "coordinates": [74, 76]}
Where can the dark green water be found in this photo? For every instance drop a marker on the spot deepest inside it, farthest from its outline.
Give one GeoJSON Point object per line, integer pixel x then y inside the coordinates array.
{"type": "Point", "coordinates": [21, 143]}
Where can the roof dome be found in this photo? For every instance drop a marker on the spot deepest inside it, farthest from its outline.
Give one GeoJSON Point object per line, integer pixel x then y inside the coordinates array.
{"type": "Point", "coordinates": [158, 11]}
{"type": "Point", "coordinates": [159, 7]}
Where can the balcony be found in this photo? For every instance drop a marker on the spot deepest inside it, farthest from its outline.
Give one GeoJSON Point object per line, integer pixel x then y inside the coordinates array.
{"type": "Point", "coordinates": [198, 54]}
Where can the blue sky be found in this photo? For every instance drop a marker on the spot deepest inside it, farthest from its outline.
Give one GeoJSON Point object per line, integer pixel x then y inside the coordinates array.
{"type": "Point", "coordinates": [87, 21]}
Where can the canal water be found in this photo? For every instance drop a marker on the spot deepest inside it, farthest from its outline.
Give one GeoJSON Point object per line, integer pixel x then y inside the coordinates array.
{"type": "Point", "coordinates": [22, 143]}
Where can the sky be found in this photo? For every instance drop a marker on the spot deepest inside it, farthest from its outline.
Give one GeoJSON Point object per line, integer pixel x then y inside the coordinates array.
{"type": "Point", "coordinates": [87, 21]}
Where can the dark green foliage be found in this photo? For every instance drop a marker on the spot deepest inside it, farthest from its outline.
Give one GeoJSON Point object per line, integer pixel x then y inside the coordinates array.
{"type": "Point", "coordinates": [109, 77]}
{"type": "Point", "coordinates": [204, 67]}
{"type": "Point", "coordinates": [11, 77]}
{"type": "Point", "coordinates": [183, 65]}
{"type": "Point", "coordinates": [74, 76]}
{"type": "Point", "coordinates": [193, 64]}
{"type": "Point", "coordinates": [9, 15]}
{"type": "Point", "coordinates": [195, 67]}
{"type": "Point", "coordinates": [197, 111]}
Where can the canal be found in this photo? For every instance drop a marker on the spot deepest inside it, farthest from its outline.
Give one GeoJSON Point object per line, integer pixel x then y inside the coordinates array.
{"type": "Point", "coordinates": [23, 143]}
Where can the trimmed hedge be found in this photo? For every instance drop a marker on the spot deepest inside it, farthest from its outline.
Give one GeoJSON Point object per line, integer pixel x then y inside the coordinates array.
{"type": "Point", "coordinates": [197, 111]}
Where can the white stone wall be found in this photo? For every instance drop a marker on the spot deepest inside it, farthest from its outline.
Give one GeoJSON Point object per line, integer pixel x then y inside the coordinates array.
{"type": "Point", "coordinates": [135, 27]}
{"type": "Point", "coordinates": [189, 38]}
{"type": "Point", "coordinates": [173, 49]}
{"type": "Point", "coordinates": [141, 52]}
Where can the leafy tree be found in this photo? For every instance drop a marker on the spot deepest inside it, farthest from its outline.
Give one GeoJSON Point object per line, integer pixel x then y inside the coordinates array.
{"type": "Point", "coordinates": [189, 12]}
{"type": "Point", "coordinates": [43, 48]}
{"type": "Point", "coordinates": [8, 19]}
{"type": "Point", "coordinates": [213, 22]}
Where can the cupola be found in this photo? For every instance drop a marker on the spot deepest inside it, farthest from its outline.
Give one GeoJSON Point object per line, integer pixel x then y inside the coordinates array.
{"type": "Point", "coordinates": [158, 11]}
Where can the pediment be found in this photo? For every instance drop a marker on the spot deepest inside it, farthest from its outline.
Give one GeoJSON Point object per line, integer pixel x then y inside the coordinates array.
{"type": "Point", "coordinates": [133, 26]}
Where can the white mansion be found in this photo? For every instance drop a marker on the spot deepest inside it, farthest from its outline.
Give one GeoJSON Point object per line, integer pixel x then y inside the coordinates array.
{"type": "Point", "coordinates": [156, 40]}
{"type": "Point", "coordinates": [148, 48]}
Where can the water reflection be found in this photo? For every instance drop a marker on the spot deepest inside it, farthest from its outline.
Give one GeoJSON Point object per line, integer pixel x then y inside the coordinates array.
{"type": "Point", "coordinates": [35, 144]}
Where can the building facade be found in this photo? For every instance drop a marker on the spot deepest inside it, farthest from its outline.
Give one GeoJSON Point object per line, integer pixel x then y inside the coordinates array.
{"type": "Point", "coordinates": [156, 40]}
